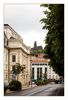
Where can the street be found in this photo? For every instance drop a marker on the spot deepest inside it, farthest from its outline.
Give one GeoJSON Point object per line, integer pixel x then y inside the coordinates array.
{"type": "Point", "coordinates": [47, 90]}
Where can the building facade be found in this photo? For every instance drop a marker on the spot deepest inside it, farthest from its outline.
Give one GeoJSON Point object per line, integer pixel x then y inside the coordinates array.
{"type": "Point", "coordinates": [15, 51]}
{"type": "Point", "coordinates": [41, 68]}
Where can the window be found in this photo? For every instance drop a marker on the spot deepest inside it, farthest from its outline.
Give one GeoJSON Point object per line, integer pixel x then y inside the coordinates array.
{"type": "Point", "coordinates": [40, 64]}
{"type": "Point", "coordinates": [13, 58]}
{"type": "Point", "coordinates": [45, 70]}
{"type": "Point", "coordinates": [37, 73]}
{"type": "Point", "coordinates": [45, 74]}
{"type": "Point", "coordinates": [40, 72]}
{"type": "Point", "coordinates": [7, 43]}
{"type": "Point", "coordinates": [32, 73]}
{"type": "Point", "coordinates": [36, 64]}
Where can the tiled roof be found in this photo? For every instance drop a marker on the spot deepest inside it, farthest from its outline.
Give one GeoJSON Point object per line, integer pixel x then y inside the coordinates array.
{"type": "Point", "coordinates": [40, 55]}
{"type": "Point", "coordinates": [40, 61]}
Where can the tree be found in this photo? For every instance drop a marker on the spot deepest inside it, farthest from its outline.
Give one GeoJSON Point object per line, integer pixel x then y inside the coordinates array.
{"type": "Point", "coordinates": [54, 23]}
{"type": "Point", "coordinates": [17, 69]}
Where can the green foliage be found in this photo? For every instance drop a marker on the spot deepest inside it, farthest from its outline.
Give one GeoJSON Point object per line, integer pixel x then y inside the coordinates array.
{"type": "Point", "coordinates": [54, 23]}
{"type": "Point", "coordinates": [13, 88]}
{"type": "Point", "coordinates": [15, 85]}
{"type": "Point", "coordinates": [35, 52]}
{"type": "Point", "coordinates": [17, 69]}
{"type": "Point", "coordinates": [41, 82]}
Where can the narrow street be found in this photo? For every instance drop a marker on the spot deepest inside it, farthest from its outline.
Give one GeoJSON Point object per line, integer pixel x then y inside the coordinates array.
{"type": "Point", "coordinates": [47, 90]}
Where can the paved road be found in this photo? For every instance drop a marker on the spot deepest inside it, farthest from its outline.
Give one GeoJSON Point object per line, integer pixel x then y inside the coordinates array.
{"type": "Point", "coordinates": [46, 90]}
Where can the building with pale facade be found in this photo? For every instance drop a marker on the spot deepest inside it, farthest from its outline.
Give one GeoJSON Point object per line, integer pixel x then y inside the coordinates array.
{"type": "Point", "coordinates": [41, 68]}
{"type": "Point", "coordinates": [15, 51]}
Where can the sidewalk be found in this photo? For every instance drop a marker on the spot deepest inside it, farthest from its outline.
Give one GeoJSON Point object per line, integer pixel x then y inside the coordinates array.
{"type": "Point", "coordinates": [23, 88]}
{"type": "Point", "coordinates": [27, 87]}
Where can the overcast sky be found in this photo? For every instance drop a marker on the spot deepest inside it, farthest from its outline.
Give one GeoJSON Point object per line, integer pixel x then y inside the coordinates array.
{"type": "Point", "coordinates": [25, 20]}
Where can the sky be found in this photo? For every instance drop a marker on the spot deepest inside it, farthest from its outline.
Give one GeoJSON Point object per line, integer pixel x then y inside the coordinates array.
{"type": "Point", "coordinates": [25, 20]}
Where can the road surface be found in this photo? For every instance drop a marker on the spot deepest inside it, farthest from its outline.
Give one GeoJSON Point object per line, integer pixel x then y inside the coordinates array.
{"type": "Point", "coordinates": [46, 90]}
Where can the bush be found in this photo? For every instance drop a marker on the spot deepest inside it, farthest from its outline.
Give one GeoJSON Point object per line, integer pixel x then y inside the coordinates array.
{"type": "Point", "coordinates": [13, 88]}
{"type": "Point", "coordinates": [41, 82]}
{"type": "Point", "coordinates": [15, 85]}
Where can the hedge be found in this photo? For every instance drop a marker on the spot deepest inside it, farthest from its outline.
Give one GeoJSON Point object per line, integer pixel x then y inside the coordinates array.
{"type": "Point", "coordinates": [41, 82]}
{"type": "Point", "coordinates": [15, 85]}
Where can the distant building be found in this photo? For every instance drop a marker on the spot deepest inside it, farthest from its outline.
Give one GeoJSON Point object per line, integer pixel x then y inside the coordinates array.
{"type": "Point", "coordinates": [36, 47]}
{"type": "Point", "coordinates": [41, 69]}
{"type": "Point", "coordinates": [15, 51]}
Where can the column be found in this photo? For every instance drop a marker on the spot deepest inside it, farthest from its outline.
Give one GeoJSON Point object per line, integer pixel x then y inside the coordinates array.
{"type": "Point", "coordinates": [35, 73]}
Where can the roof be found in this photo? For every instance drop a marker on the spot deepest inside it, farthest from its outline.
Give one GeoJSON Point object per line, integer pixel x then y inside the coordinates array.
{"type": "Point", "coordinates": [6, 25]}
{"type": "Point", "coordinates": [40, 55]}
{"type": "Point", "coordinates": [45, 61]}
{"type": "Point", "coordinates": [17, 35]}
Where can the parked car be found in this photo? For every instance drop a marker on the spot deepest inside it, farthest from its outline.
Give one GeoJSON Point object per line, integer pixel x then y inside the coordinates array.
{"type": "Point", "coordinates": [57, 81]}
{"type": "Point", "coordinates": [33, 82]}
{"type": "Point", "coordinates": [62, 81]}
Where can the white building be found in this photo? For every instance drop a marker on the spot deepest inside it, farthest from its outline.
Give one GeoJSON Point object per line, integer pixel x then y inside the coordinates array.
{"type": "Point", "coordinates": [41, 69]}
{"type": "Point", "coordinates": [15, 51]}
